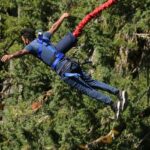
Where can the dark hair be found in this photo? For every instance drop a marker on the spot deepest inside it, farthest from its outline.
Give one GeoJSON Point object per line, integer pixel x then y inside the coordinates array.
{"type": "Point", "coordinates": [28, 33]}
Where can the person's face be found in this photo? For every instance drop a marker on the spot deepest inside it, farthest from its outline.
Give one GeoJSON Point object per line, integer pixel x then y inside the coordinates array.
{"type": "Point", "coordinates": [25, 40]}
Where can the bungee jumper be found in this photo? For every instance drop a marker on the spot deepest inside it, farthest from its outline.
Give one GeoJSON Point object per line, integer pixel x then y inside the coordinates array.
{"type": "Point", "coordinates": [68, 70]}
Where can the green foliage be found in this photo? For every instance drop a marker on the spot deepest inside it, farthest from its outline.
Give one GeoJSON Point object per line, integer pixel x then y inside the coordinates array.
{"type": "Point", "coordinates": [68, 119]}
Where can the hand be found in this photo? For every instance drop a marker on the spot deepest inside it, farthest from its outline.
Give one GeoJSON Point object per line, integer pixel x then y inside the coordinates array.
{"type": "Point", "coordinates": [66, 15]}
{"type": "Point", "coordinates": [6, 58]}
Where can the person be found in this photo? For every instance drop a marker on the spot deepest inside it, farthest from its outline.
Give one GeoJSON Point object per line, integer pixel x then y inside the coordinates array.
{"type": "Point", "coordinates": [68, 70]}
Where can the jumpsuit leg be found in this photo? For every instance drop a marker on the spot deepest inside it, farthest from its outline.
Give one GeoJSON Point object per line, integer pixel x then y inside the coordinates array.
{"type": "Point", "coordinates": [99, 85]}
{"type": "Point", "coordinates": [79, 84]}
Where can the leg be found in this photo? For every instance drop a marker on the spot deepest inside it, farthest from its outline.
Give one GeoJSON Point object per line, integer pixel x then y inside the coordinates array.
{"type": "Point", "coordinates": [86, 89]}
{"type": "Point", "coordinates": [121, 95]}
{"type": "Point", "coordinates": [81, 84]}
{"type": "Point", "coordinates": [99, 85]}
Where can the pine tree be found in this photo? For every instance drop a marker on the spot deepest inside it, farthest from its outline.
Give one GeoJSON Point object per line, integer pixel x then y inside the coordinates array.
{"type": "Point", "coordinates": [117, 42]}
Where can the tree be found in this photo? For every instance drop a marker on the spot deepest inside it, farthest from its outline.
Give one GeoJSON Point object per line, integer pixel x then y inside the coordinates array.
{"type": "Point", "coordinates": [114, 42]}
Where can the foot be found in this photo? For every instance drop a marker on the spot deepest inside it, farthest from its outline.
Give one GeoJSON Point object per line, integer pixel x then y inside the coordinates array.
{"type": "Point", "coordinates": [116, 108]}
{"type": "Point", "coordinates": [123, 98]}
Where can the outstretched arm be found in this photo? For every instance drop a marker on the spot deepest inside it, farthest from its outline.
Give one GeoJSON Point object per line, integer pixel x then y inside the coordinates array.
{"type": "Point", "coordinates": [57, 24]}
{"type": "Point", "coordinates": [8, 57]}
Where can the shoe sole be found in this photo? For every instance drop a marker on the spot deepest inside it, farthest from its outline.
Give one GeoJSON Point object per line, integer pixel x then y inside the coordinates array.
{"type": "Point", "coordinates": [118, 110]}
{"type": "Point", "coordinates": [124, 99]}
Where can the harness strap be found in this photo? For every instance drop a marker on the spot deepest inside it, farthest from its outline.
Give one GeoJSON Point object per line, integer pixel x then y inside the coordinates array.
{"type": "Point", "coordinates": [72, 75]}
{"type": "Point", "coordinates": [40, 47]}
{"type": "Point", "coordinates": [59, 56]}
{"type": "Point", "coordinates": [62, 69]}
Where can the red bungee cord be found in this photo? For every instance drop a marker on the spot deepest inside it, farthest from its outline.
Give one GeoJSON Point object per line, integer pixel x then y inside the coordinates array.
{"type": "Point", "coordinates": [91, 15]}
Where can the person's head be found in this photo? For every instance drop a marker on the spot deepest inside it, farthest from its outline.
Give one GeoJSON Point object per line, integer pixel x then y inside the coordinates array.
{"type": "Point", "coordinates": [27, 35]}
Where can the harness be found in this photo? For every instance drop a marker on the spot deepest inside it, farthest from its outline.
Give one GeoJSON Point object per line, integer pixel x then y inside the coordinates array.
{"type": "Point", "coordinates": [58, 55]}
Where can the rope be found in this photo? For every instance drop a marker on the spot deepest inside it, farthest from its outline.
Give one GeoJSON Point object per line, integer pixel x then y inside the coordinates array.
{"type": "Point", "coordinates": [91, 15]}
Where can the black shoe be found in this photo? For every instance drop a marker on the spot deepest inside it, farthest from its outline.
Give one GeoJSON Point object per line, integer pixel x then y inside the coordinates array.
{"type": "Point", "coordinates": [123, 97]}
{"type": "Point", "coordinates": [116, 108]}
